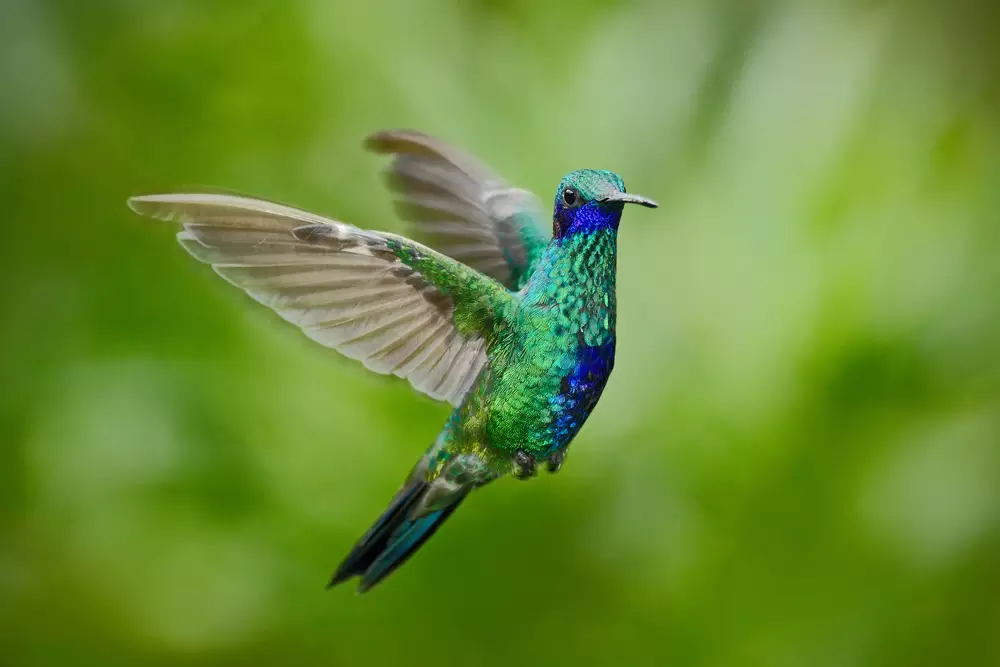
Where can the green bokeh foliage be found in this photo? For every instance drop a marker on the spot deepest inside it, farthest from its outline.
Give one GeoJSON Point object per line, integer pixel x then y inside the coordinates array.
{"type": "Point", "coordinates": [795, 463]}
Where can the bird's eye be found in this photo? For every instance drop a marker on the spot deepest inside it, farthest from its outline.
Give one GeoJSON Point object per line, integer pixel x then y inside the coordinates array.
{"type": "Point", "coordinates": [569, 197]}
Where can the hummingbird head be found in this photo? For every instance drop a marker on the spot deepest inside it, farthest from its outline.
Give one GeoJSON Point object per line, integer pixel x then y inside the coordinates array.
{"type": "Point", "coordinates": [589, 200]}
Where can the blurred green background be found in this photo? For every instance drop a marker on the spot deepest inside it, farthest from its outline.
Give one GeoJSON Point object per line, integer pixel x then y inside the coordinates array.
{"type": "Point", "coordinates": [797, 461]}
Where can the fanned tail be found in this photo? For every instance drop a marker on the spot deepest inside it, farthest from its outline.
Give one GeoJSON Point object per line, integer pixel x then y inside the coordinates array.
{"type": "Point", "coordinates": [393, 538]}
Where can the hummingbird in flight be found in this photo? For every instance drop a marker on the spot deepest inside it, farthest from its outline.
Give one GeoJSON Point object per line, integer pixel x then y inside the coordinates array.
{"type": "Point", "coordinates": [508, 317]}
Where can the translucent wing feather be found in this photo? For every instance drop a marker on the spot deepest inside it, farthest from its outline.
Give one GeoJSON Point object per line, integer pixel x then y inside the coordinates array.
{"type": "Point", "coordinates": [461, 208]}
{"type": "Point", "coordinates": [379, 298]}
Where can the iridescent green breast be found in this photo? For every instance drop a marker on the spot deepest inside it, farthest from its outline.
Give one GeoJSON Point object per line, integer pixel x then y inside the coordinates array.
{"type": "Point", "coordinates": [547, 372]}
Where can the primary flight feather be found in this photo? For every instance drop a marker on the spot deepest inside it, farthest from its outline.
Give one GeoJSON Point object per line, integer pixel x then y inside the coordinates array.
{"type": "Point", "coordinates": [512, 324]}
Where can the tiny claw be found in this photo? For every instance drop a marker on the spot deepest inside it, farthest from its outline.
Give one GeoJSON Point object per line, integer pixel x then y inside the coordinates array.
{"type": "Point", "coordinates": [555, 461]}
{"type": "Point", "coordinates": [524, 465]}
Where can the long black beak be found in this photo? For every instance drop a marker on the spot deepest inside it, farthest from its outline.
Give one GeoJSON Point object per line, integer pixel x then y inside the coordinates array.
{"type": "Point", "coordinates": [626, 198]}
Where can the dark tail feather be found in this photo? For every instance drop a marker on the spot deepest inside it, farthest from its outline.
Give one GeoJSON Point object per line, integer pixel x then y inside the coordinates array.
{"type": "Point", "coordinates": [376, 539]}
{"type": "Point", "coordinates": [392, 539]}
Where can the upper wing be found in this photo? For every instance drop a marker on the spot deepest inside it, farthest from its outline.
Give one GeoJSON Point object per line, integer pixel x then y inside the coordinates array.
{"type": "Point", "coordinates": [395, 305]}
{"type": "Point", "coordinates": [462, 208]}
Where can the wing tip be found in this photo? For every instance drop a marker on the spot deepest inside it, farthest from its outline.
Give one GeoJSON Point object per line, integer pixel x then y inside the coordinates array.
{"type": "Point", "coordinates": [159, 206]}
{"type": "Point", "coordinates": [143, 205]}
{"type": "Point", "coordinates": [387, 142]}
{"type": "Point", "coordinates": [194, 247]}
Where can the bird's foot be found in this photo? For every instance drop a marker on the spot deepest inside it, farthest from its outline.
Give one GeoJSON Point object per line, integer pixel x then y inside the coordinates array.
{"type": "Point", "coordinates": [524, 465]}
{"type": "Point", "coordinates": [555, 461]}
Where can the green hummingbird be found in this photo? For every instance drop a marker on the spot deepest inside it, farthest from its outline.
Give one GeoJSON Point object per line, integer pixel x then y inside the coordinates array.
{"type": "Point", "coordinates": [512, 324]}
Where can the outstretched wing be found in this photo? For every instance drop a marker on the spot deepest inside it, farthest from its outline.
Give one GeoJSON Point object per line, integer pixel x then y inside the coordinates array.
{"type": "Point", "coordinates": [395, 305]}
{"type": "Point", "coordinates": [460, 207]}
